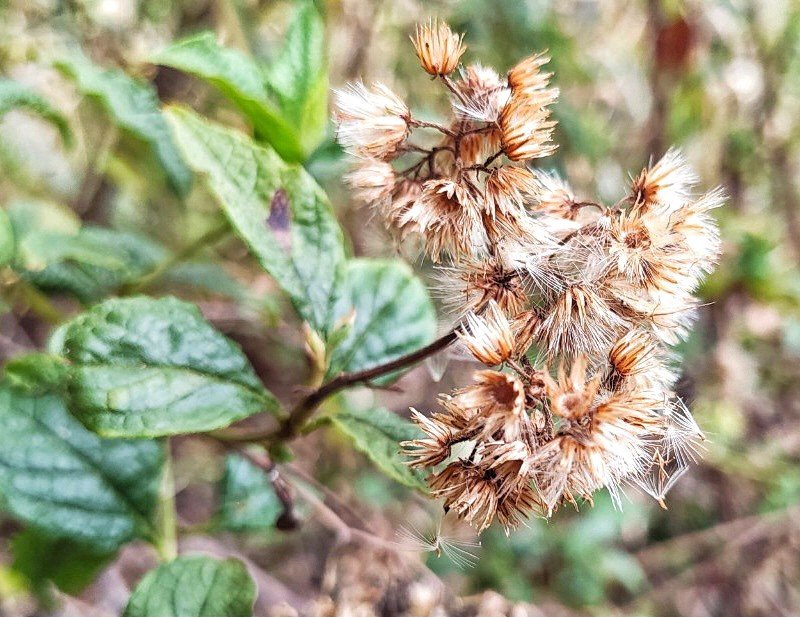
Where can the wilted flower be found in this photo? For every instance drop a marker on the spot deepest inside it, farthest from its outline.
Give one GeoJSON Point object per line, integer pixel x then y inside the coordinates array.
{"type": "Point", "coordinates": [481, 94]}
{"type": "Point", "coordinates": [508, 189]}
{"type": "Point", "coordinates": [438, 48]}
{"type": "Point", "coordinates": [668, 183]}
{"type": "Point", "coordinates": [432, 449]}
{"type": "Point", "coordinates": [553, 196]}
{"type": "Point", "coordinates": [578, 320]}
{"type": "Point", "coordinates": [638, 359]}
{"type": "Point", "coordinates": [370, 122]}
{"type": "Point", "coordinates": [535, 275]}
{"type": "Point", "coordinates": [373, 182]}
{"type": "Point", "coordinates": [527, 77]}
{"type": "Point", "coordinates": [446, 214]}
{"type": "Point", "coordinates": [488, 336]}
{"type": "Point", "coordinates": [471, 284]}
{"type": "Point", "coordinates": [525, 128]}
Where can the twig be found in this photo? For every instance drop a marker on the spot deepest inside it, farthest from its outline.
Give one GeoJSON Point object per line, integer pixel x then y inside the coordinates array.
{"type": "Point", "coordinates": [330, 496]}
{"type": "Point", "coordinates": [288, 519]}
{"type": "Point", "coordinates": [291, 426]}
{"type": "Point", "coordinates": [413, 122]}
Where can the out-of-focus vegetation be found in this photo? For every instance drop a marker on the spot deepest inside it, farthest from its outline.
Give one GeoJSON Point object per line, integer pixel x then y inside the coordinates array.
{"type": "Point", "coordinates": [101, 202]}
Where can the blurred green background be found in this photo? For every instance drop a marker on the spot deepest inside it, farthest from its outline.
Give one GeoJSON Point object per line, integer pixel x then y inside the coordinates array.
{"type": "Point", "coordinates": [718, 78]}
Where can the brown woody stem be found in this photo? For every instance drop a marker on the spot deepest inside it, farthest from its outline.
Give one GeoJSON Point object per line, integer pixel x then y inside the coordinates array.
{"type": "Point", "coordinates": [413, 122]}
{"type": "Point", "coordinates": [291, 426]}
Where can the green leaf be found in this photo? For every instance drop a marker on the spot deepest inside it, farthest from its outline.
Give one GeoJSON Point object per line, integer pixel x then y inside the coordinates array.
{"type": "Point", "coordinates": [42, 559]}
{"type": "Point", "coordinates": [56, 254]}
{"type": "Point", "coordinates": [194, 586]}
{"type": "Point", "coordinates": [377, 433]}
{"type": "Point", "coordinates": [134, 107]}
{"type": "Point", "coordinates": [280, 212]}
{"type": "Point", "coordinates": [394, 314]}
{"type": "Point", "coordinates": [68, 482]}
{"type": "Point", "coordinates": [145, 368]}
{"type": "Point", "coordinates": [14, 95]}
{"type": "Point", "coordinates": [28, 216]}
{"type": "Point", "coordinates": [6, 239]}
{"type": "Point", "coordinates": [247, 499]}
{"type": "Point", "coordinates": [37, 373]}
{"type": "Point", "coordinates": [239, 79]}
{"type": "Point", "coordinates": [299, 78]}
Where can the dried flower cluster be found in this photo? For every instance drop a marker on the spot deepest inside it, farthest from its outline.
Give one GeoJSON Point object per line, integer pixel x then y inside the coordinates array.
{"type": "Point", "coordinates": [600, 292]}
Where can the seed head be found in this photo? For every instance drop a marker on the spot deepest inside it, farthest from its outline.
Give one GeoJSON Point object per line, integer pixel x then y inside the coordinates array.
{"type": "Point", "coordinates": [471, 284]}
{"type": "Point", "coordinates": [525, 128]}
{"type": "Point", "coordinates": [527, 76]}
{"type": "Point", "coordinates": [438, 48]}
{"type": "Point", "coordinates": [370, 122]}
{"type": "Point", "coordinates": [488, 336]}
{"type": "Point", "coordinates": [669, 183]}
{"type": "Point", "coordinates": [446, 214]}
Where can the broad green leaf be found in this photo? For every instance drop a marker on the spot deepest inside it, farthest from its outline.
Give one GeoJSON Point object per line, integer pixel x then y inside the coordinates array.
{"type": "Point", "coordinates": [280, 212]}
{"type": "Point", "coordinates": [247, 499]}
{"type": "Point", "coordinates": [14, 95]}
{"type": "Point", "coordinates": [298, 77]}
{"type": "Point", "coordinates": [134, 107]}
{"type": "Point", "coordinates": [70, 483]}
{"type": "Point", "coordinates": [142, 367]}
{"type": "Point", "coordinates": [240, 79]}
{"type": "Point", "coordinates": [6, 239]}
{"type": "Point", "coordinates": [394, 314]}
{"type": "Point", "coordinates": [27, 216]}
{"type": "Point", "coordinates": [88, 262]}
{"type": "Point", "coordinates": [42, 559]}
{"type": "Point", "coordinates": [377, 433]}
{"type": "Point", "coordinates": [194, 586]}
{"type": "Point", "coordinates": [37, 373]}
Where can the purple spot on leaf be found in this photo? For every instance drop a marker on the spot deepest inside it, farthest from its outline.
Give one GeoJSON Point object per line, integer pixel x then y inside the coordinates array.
{"type": "Point", "coordinates": [279, 220]}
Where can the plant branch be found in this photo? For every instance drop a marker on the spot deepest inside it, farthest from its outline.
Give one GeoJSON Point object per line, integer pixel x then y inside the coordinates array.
{"type": "Point", "coordinates": [293, 423]}
{"type": "Point", "coordinates": [413, 122]}
{"type": "Point", "coordinates": [288, 519]}
{"type": "Point", "coordinates": [166, 542]}
{"type": "Point", "coordinates": [291, 426]}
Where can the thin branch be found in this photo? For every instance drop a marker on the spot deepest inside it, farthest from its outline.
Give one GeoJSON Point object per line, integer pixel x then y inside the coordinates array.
{"type": "Point", "coordinates": [291, 426]}
{"type": "Point", "coordinates": [288, 519]}
{"type": "Point", "coordinates": [413, 122]}
{"type": "Point", "coordinates": [452, 87]}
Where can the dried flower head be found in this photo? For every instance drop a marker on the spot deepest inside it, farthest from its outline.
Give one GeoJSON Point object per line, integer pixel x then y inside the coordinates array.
{"type": "Point", "coordinates": [508, 189]}
{"type": "Point", "coordinates": [527, 76]}
{"type": "Point", "coordinates": [372, 182]}
{"type": "Point", "coordinates": [480, 94]}
{"type": "Point", "coordinates": [446, 214]}
{"type": "Point", "coordinates": [553, 196]}
{"type": "Point", "coordinates": [488, 336]}
{"type": "Point", "coordinates": [370, 122]}
{"type": "Point", "coordinates": [438, 48]}
{"type": "Point", "coordinates": [472, 284]}
{"type": "Point", "coordinates": [638, 360]}
{"type": "Point", "coordinates": [669, 182]}
{"type": "Point", "coordinates": [578, 320]}
{"type": "Point", "coordinates": [600, 291]}
{"type": "Point", "coordinates": [524, 126]}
